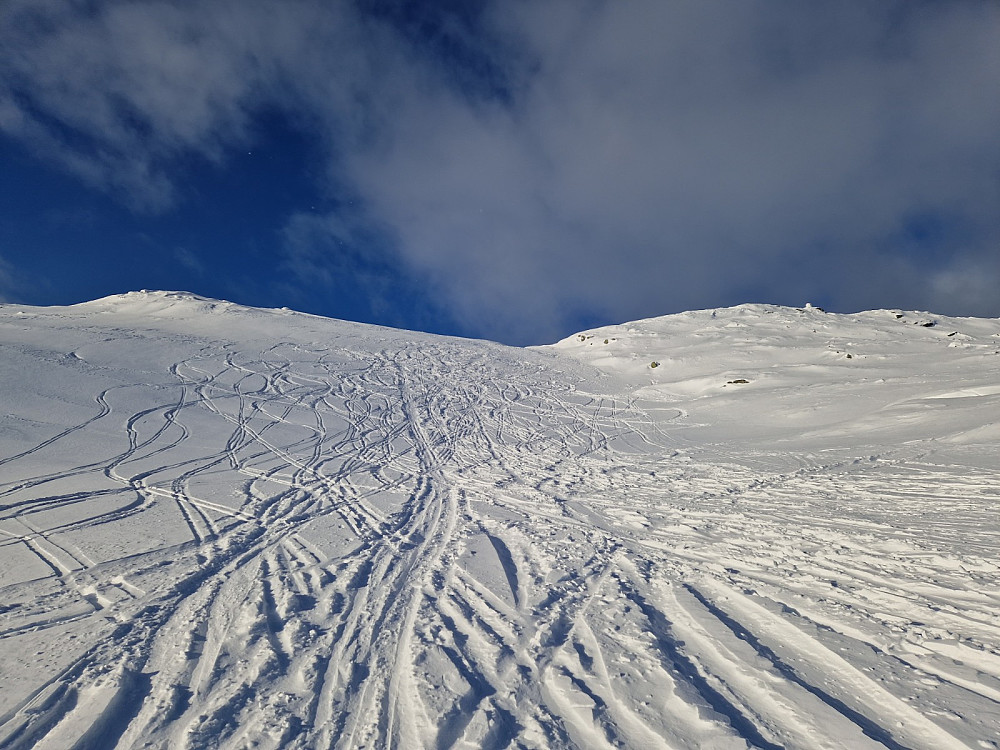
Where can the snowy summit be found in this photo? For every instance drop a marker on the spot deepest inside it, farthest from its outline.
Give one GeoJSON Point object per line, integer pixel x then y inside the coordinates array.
{"type": "Point", "coordinates": [753, 527]}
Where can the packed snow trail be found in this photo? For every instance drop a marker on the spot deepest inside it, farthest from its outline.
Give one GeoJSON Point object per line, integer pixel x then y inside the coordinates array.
{"type": "Point", "coordinates": [227, 527]}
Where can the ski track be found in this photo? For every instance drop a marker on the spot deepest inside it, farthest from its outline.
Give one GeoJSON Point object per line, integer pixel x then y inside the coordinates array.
{"type": "Point", "coordinates": [420, 548]}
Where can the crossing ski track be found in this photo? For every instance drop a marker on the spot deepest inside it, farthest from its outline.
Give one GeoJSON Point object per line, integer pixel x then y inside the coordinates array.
{"type": "Point", "coordinates": [224, 527]}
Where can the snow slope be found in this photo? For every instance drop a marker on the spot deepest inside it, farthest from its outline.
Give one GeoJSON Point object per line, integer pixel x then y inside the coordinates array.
{"type": "Point", "coordinates": [231, 527]}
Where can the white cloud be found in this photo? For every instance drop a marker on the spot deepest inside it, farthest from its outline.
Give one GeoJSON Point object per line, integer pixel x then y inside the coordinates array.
{"type": "Point", "coordinates": [664, 155]}
{"type": "Point", "coordinates": [189, 260]}
{"type": "Point", "coordinates": [967, 287]}
{"type": "Point", "coordinates": [118, 92]}
{"type": "Point", "coordinates": [550, 157]}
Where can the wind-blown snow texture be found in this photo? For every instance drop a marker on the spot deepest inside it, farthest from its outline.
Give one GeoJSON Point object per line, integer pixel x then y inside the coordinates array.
{"type": "Point", "coordinates": [228, 527]}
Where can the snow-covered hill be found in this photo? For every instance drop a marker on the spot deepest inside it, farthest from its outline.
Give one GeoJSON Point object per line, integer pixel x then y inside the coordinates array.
{"type": "Point", "coordinates": [230, 527]}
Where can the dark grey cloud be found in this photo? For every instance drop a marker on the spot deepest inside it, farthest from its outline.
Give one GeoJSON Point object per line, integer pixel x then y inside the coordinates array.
{"type": "Point", "coordinates": [539, 161]}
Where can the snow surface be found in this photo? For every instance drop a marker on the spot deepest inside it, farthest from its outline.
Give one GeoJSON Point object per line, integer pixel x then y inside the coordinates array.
{"type": "Point", "coordinates": [231, 527]}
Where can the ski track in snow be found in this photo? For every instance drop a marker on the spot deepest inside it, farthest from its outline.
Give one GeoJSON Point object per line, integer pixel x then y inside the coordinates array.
{"type": "Point", "coordinates": [408, 541]}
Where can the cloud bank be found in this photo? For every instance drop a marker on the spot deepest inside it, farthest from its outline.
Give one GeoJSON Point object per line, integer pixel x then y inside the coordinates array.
{"type": "Point", "coordinates": [536, 164]}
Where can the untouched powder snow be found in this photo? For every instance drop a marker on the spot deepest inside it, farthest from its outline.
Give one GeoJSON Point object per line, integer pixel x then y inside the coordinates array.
{"type": "Point", "coordinates": [226, 527]}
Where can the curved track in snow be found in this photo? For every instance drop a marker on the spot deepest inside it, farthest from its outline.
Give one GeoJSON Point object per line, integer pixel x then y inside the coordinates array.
{"type": "Point", "coordinates": [405, 541]}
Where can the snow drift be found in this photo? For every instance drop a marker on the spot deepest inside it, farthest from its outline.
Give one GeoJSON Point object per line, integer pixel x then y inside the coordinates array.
{"type": "Point", "coordinates": [231, 527]}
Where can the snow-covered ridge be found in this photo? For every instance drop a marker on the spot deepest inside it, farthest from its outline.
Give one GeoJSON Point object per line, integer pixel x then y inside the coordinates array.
{"type": "Point", "coordinates": [184, 311]}
{"type": "Point", "coordinates": [754, 369]}
{"type": "Point", "coordinates": [758, 338]}
{"type": "Point", "coordinates": [225, 527]}
{"type": "Point", "coordinates": [158, 303]}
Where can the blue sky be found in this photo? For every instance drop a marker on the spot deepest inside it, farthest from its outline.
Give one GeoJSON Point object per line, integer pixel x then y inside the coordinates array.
{"type": "Point", "coordinates": [514, 170]}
